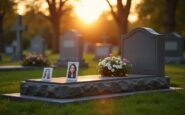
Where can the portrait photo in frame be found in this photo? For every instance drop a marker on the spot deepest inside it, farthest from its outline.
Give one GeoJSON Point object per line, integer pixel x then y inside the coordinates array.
{"type": "Point", "coordinates": [72, 71]}
{"type": "Point", "coordinates": [47, 74]}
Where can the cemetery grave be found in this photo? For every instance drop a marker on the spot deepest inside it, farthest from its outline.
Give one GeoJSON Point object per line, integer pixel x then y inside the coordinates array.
{"type": "Point", "coordinates": [147, 77]}
{"type": "Point", "coordinates": [92, 57]}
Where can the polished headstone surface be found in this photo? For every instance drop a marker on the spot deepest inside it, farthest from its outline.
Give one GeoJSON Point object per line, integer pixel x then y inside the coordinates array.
{"type": "Point", "coordinates": [144, 48]}
{"type": "Point", "coordinates": [87, 78]}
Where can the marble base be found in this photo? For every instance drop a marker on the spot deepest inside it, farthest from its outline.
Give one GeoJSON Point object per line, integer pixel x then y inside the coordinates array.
{"type": "Point", "coordinates": [91, 85]}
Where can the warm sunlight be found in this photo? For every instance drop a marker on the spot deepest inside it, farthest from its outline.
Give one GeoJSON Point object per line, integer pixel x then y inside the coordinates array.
{"type": "Point", "coordinates": [21, 9]}
{"type": "Point", "coordinates": [87, 10]}
{"type": "Point", "coordinates": [90, 10]}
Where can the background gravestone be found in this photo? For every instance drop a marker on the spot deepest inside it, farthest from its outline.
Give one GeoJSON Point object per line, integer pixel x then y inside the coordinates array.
{"type": "Point", "coordinates": [37, 45]}
{"type": "Point", "coordinates": [88, 47]}
{"type": "Point", "coordinates": [173, 48]}
{"type": "Point", "coordinates": [19, 28]}
{"type": "Point", "coordinates": [102, 50]}
{"type": "Point", "coordinates": [71, 48]}
{"type": "Point", "coordinates": [9, 50]}
{"type": "Point", "coordinates": [145, 49]}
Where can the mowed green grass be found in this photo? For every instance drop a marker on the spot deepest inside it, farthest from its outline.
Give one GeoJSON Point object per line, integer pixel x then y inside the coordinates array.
{"type": "Point", "coordinates": [168, 103]}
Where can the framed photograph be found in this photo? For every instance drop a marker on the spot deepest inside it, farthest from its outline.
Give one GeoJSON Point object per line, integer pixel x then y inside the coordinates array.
{"type": "Point", "coordinates": [72, 71]}
{"type": "Point", "coordinates": [47, 74]}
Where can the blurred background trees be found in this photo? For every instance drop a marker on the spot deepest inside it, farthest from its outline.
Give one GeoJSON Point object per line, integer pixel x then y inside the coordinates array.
{"type": "Point", "coordinates": [6, 11]}
{"type": "Point", "coordinates": [150, 13]}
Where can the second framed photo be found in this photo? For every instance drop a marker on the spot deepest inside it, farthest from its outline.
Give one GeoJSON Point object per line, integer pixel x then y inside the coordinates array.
{"type": "Point", "coordinates": [72, 71]}
{"type": "Point", "coordinates": [47, 74]}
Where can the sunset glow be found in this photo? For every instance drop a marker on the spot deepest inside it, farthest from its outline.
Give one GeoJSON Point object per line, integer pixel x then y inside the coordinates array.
{"type": "Point", "coordinates": [87, 10]}
{"type": "Point", "coordinates": [21, 9]}
{"type": "Point", "coordinates": [90, 10]}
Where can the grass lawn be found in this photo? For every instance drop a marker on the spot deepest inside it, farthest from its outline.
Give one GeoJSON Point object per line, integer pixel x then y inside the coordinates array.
{"type": "Point", "coordinates": [168, 103]}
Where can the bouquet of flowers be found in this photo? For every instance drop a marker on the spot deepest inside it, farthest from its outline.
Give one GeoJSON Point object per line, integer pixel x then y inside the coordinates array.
{"type": "Point", "coordinates": [35, 60]}
{"type": "Point", "coordinates": [114, 67]}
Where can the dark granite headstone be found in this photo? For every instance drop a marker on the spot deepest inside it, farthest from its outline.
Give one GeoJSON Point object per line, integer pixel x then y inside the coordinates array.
{"type": "Point", "coordinates": [71, 49]}
{"type": "Point", "coordinates": [173, 48]}
{"type": "Point", "coordinates": [145, 49]}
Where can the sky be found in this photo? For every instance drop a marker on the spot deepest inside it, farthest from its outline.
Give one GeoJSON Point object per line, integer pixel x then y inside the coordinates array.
{"type": "Point", "coordinates": [87, 10]}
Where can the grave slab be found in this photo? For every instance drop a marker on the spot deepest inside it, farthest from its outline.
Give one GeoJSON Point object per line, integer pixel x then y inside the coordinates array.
{"type": "Point", "coordinates": [91, 85]}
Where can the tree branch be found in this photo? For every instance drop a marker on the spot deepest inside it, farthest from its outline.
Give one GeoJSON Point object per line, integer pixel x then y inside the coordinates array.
{"type": "Point", "coordinates": [47, 17]}
{"type": "Point", "coordinates": [61, 4]}
{"type": "Point", "coordinates": [48, 2]}
{"type": "Point", "coordinates": [127, 7]}
{"type": "Point", "coordinates": [112, 11]}
{"type": "Point", "coordinates": [64, 11]}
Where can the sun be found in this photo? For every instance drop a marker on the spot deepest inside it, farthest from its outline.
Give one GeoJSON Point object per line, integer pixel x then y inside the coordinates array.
{"type": "Point", "coordinates": [90, 10]}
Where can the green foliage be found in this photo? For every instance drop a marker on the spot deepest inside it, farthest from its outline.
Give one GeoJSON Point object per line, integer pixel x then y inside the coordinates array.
{"type": "Point", "coordinates": [35, 60]}
{"type": "Point", "coordinates": [151, 14]}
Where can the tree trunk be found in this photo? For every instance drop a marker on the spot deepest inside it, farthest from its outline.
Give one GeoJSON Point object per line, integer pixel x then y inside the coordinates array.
{"type": "Point", "coordinates": [123, 29]}
{"type": "Point", "coordinates": [56, 36]}
{"type": "Point", "coordinates": [1, 32]}
{"type": "Point", "coordinates": [170, 11]}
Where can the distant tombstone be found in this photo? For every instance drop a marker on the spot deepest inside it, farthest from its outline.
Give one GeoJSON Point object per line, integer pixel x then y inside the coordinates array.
{"type": "Point", "coordinates": [0, 57]}
{"type": "Point", "coordinates": [102, 50]}
{"type": "Point", "coordinates": [18, 29]}
{"type": "Point", "coordinates": [173, 48]}
{"type": "Point", "coordinates": [88, 47]}
{"type": "Point", "coordinates": [9, 50]}
{"type": "Point", "coordinates": [71, 49]}
{"type": "Point", "coordinates": [144, 48]}
{"type": "Point", "coordinates": [37, 45]}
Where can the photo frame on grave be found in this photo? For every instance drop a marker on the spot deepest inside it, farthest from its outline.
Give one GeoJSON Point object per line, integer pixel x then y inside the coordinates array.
{"type": "Point", "coordinates": [72, 71]}
{"type": "Point", "coordinates": [47, 74]}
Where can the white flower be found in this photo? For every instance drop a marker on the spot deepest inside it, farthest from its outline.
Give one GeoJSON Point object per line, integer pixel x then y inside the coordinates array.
{"type": "Point", "coordinates": [33, 62]}
{"type": "Point", "coordinates": [109, 67]}
{"type": "Point", "coordinates": [112, 70]}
